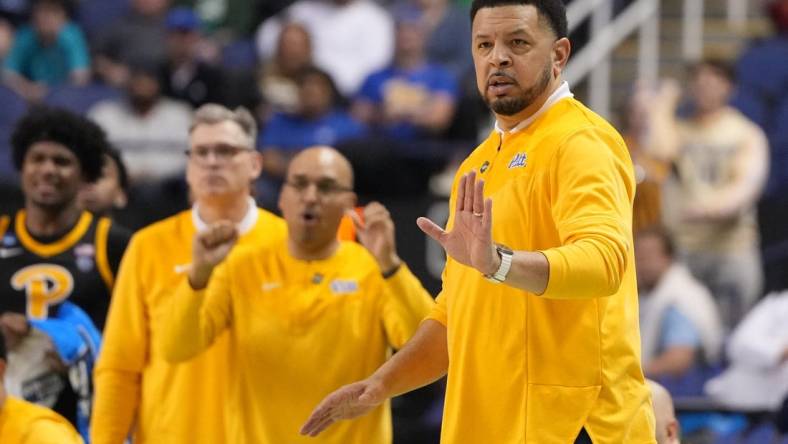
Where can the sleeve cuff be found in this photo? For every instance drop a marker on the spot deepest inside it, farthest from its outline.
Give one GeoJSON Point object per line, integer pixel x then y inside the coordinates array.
{"type": "Point", "coordinates": [555, 273]}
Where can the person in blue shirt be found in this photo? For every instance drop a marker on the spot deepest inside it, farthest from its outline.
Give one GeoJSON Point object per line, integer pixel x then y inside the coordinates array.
{"type": "Point", "coordinates": [319, 120]}
{"type": "Point", "coordinates": [411, 99]}
{"type": "Point", "coordinates": [680, 324]}
{"type": "Point", "coordinates": [48, 52]}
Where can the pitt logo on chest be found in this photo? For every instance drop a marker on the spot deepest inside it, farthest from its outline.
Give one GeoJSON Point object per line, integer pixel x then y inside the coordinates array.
{"type": "Point", "coordinates": [518, 161]}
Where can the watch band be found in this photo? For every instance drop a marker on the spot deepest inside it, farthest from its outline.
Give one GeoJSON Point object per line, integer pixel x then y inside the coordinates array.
{"type": "Point", "coordinates": [506, 255]}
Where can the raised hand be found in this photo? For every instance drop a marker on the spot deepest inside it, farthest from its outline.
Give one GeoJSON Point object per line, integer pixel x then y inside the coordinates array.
{"type": "Point", "coordinates": [470, 240]}
{"type": "Point", "coordinates": [209, 249]}
{"type": "Point", "coordinates": [348, 402]}
{"type": "Point", "coordinates": [376, 233]}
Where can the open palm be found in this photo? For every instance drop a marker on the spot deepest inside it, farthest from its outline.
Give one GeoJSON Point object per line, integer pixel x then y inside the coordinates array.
{"type": "Point", "coordinates": [347, 402]}
{"type": "Point", "coordinates": [470, 240]}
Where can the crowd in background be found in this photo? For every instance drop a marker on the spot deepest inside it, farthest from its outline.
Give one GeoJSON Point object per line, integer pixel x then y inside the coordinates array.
{"type": "Point", "coordinates": [390, 84]}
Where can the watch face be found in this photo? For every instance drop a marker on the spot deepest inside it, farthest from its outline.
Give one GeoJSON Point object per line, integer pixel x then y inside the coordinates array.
{"type": "Point", "coordinates": [504, 249]}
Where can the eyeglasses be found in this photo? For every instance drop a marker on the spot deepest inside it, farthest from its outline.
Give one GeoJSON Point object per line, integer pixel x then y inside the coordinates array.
{"type": "Point", "coordinates": [325, 187]}
{"type": "Point", "coordinates": [221, 152]}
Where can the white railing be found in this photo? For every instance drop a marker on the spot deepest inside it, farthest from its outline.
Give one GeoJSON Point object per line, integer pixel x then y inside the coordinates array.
{"type": "Point", "coordinates": [643, 17]}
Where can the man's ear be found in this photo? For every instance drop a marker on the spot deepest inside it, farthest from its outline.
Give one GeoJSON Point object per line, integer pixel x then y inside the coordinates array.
{"type": "Point", "coordinates": [561, 50]}
{"type": "Point", "coordinates": [257, 165]}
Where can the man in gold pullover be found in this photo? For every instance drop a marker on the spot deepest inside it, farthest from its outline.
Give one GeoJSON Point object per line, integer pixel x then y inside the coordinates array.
{"type": "Point", "coordinates": [137, 391]}
{"type": "Point", "coordinates": [303, 314]}
{"type": "Point", "coordinates": [537, 323]}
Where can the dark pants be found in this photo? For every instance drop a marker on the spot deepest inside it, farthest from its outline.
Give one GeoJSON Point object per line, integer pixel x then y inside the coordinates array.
{"type": "Point", "coordinates": [583, 437]}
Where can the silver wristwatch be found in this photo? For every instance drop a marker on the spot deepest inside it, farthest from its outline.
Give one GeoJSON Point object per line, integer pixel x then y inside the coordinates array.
{"type": "Point", "coordinates": [506, 254]}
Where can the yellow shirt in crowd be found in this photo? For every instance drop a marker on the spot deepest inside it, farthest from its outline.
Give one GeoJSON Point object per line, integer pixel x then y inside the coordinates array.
{"type": "Point", "coordinates": [535, 369]}
{"type": "Point", "coordinates": [22, 422]}
{"type": "Point", "coordinates": [298, 330]}
{"type": "Point", "coordinates": [136, 388]}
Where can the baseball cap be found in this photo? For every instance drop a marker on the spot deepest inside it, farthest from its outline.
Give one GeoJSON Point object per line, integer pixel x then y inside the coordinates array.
{"type": "Point", "coordinates": [182, 19]}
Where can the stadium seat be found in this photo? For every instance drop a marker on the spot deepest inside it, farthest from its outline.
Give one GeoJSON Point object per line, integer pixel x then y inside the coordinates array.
{"type": "Point", "coordinates": [80, 99]}
{"type": "Point", "coordinates": [14, 107]}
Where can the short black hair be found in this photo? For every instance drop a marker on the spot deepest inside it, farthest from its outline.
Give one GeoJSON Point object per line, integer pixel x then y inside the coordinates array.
{"type": "Point", "coordinates": [44, 124]}
{"type": "Point", "coordinates": [552, 10]}
{"type": "Point", "coordinates": [716, 64]}
{"type": "Point", "coordinates": [304, 74]}
{"type": "Point", "coordinates": [661, 234]}
{"type": "Point", "coordinates": [123, 173]}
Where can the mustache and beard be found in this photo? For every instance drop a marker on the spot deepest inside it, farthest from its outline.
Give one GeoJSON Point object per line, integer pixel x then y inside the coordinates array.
{"type": "Point", "coordinates": [509, 106]}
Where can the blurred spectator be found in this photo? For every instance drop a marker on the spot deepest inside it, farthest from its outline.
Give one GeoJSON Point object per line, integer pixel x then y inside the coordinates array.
{"type": "Point", "coordinates": [138, 36]}
{"type": "Point", "coordinates": [135, 387]}
{"type": "Point", "coordinates": [678, 318]}
{"type": "Point", "coordinates": [668, 431]}
{"type": "Point", "coordinates": [762, 95]}
{"type": "Point", "coordinates": [650, 172]}
{"type": "Point", "coordinates": [57, 261]}
{"type": "Point", "coordinates": [50, 51]}
{"type": "Point", "coordinates": [757, 378]}
{"type": "Point", "coordinates": [448, 31]}
{"type": "Point", "coordinates": [111, 191]}
{"type": "Point", "coordinates": [187, 78]}
{"type": "Point", "coordinates": [721, 164]}
{"type": "Point", "coordinates": [318, 121]}
{"type": "Point", "coordinates": [351, 38]}
{"type": "Point", "coordinates": [279, 77]}
{"type": "Point", "coordinates": [25, 423]}
{"type": "Point", "coordinates": [150, 130]}
{"type": "Point", "coordinates": [411, 99]}
{"type": "Point", "coordinates": [227, 19]}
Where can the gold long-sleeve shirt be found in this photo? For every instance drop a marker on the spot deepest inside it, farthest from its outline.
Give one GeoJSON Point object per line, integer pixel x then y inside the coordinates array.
{"type": "Point", "coordinates": [137, 390]}
{"type": "Point", "coordinates": [535, 369]}
{"type": "Point", "coordinates": [298, 330]}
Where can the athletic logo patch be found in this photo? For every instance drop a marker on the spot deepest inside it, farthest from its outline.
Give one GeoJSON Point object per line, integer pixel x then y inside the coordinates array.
{"type": "Point", "coordinates": [85, 254]}
{"type": "Point", "coordinates": [518, 161]}
{"type": "Point", "coordinates": [343, 287]}
{"type": "Point", "coordinates": [45, 285]}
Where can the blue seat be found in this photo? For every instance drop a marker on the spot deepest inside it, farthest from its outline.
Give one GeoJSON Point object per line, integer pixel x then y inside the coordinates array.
{"type": "Point", "coordinates": [8, 174]}
{"type": "Point", "coordinates": [80, 99]}
{"type": "Point", "coordinates": [13, 106]}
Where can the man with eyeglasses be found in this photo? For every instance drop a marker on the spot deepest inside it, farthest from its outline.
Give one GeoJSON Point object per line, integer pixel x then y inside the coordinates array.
{"type": "Point", "coordinates": [304, 314]}
{"type": "Point", "coordinates": [137, 390]}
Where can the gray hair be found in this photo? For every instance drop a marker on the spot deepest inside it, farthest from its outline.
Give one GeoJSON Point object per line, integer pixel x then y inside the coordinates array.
{"type": "Point", "coordinates": [211, 114]}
